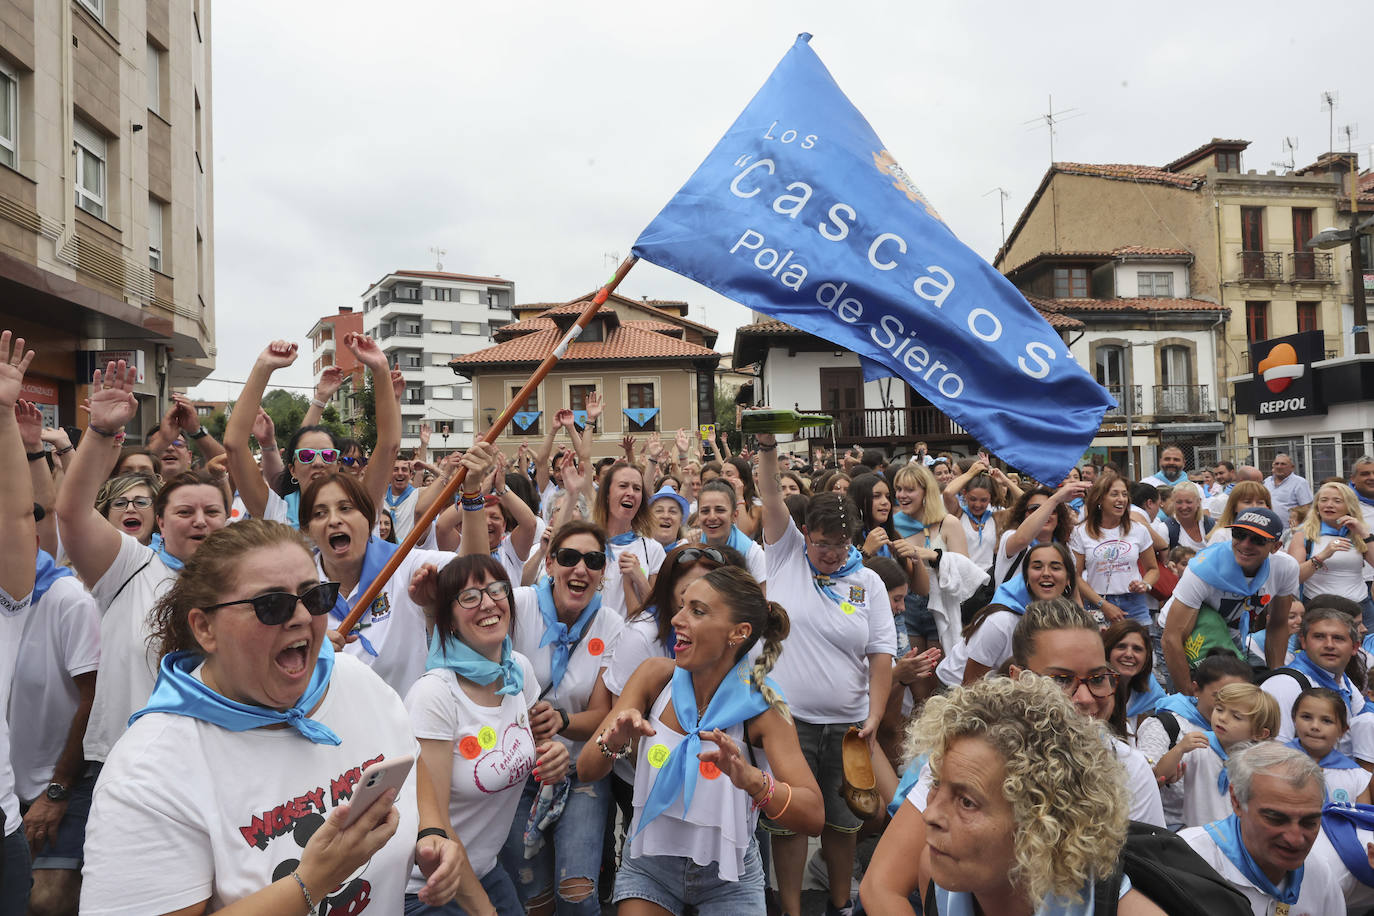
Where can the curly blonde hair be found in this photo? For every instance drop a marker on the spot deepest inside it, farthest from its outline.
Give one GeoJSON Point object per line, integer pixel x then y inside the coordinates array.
{"type": "Point", "coordinates": [1066, 788]}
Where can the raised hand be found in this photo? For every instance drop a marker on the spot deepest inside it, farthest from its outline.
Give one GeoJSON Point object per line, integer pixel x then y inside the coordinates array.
{"type": "Point", "coordinates": [425, 433]}
{"type": "Point", "coordinates": [627, 726]}
{"type": "Point", "coordinates": [563, 417]}
{"type": "Point", "coordinates": [112, 403]}
{"type": "Point", "coordinates": [186, 416]}
{"type": "Point", "coordinates": [628, 444]}
{"type": "Point", "coordinates": [367, 351]}
{"type": "Point", "coordinates": [594, 405]}
{"type": "Point", "coordinates": [766, 440]}
{"type": "Point", "coordinates": [683, 442]}
{"type": "Point", "coordinates": [331, 380]}
{"type": "Point", "coordinates": [14, 362]}
{"type": "Point", "coordinates": [264, 430]}
{"type": "Point", "coordinates": [573, 477]}
{"type": "Point", "coordinates": [30, 420]}
{"type": "Point", "coordinates": [398, 383]}
{"type": "Point", "coordinates": [424, 586]}
{"type": "Point", "coordinates": [479, 461]}
{"type": "Point", "coordinates": [653, 448]}
{"type": "Point", "coordinates": [728, 757]}
{"type": "Point", "coordinates": [278, 355]}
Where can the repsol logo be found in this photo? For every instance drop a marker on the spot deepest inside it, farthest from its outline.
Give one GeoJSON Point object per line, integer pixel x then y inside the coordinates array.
{"type": "Point", "coordinates": [1283, 406]}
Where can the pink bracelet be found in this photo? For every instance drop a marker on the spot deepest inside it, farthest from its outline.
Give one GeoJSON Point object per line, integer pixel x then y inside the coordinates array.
{"type": "Point", "coordinates": [768, 786]}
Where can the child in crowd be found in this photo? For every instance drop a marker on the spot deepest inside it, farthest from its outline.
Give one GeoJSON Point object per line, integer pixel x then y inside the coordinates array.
{"type": "Point", "coordinates": [1241, 713]}
{"type": "Point", "coordinates": [1320, 720]}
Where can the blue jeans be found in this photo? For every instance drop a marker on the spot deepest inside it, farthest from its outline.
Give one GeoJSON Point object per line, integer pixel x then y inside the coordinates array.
{"type": "Point", "coordinates": [1367, 608]}
{"type": "Point", "coordinates": [500, 891]}
{"type": "Point", "coordinates": [571, 851]}
{"type": "Point", "coordinates": [1133, 604]}
{"type": "Point", "coordinates": [17, 877]}
{"type": "Point", "coordinates": [676, 882]}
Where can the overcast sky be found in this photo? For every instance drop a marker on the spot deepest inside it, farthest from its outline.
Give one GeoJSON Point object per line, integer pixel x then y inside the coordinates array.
{"type": "Point", "coordinates": [535, 140]}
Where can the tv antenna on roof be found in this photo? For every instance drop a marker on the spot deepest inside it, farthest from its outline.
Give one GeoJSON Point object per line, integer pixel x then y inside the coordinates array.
{"type": "Point", "coordinates": [1051, 118]}
{"type": "Point", "coordinates": [1330, 100]}
{"type": "Point", "coordinates": [438, 254]}
{"type": "Point", "coordinates": [1002, 207]}
{"type": "Point", "coordinates": [1290, 145]}
{"type": "Point", "coordinates": [1349, 132]}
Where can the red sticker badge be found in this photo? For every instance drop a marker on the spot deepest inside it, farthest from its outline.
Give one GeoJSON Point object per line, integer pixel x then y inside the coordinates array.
{"type": "Point", "coordinates": [595, 646]}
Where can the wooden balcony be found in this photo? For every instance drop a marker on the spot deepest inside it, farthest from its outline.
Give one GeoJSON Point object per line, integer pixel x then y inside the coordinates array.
{"type": "Point", "coordinates": [886, 426]}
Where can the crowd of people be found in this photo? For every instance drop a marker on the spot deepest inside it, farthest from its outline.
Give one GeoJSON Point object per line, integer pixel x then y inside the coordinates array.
{"type": "Point", "coordinates": [652, 681]}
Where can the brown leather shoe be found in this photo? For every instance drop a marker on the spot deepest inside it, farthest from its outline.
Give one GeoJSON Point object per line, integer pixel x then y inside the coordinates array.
{"type": "Point", "coordinates": [860, 788]}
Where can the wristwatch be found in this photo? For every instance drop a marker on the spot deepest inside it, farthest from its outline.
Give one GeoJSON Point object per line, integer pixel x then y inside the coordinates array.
{"type": "Point", "coordinates": [57, 792]}
{"type": "Point", "coordinates": [200, 433]}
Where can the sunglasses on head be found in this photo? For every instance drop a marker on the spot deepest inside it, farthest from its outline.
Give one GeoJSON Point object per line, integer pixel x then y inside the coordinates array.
{"type": "Point", "coordinates": [308, 455]}
{"type": "Point", "coordinates": [276, 608]}
{"type": "Point", "coordinates": [695, 553]}
{"type": "Point", "coordinates": [352, 461]}
{"type": "Point", "coordinates": [566, 556]}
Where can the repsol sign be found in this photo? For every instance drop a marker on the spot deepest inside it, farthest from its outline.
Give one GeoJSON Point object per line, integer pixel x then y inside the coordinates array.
{"type": "Point", "coordinates": [1284, 383]}
{"type": "Point", "coordinates": [1283, 406]}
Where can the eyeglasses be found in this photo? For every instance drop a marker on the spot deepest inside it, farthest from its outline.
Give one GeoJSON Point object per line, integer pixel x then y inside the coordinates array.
{"type": "Point", "coordinates": [689, 554]}
{"type": "Point", "coordinates": [1240, 536]}
{"type": "Point", "coordinates": [566, 556]}
{"type": "Point", "coordinates": [471, 597]}
{"type": "Point", "coordinates": [1100, 685]}
{"type": "Point", "coordinates": [352, 461]}
{"type": "Point", "coordinates": [308, 455]}
{"type": "Point", "coordinates": [832, 548]}
{"type": "Point", "coordinates": [120, 503]}
{"type": "Point", "coordinates": [276, 608]}
{"type": "Point", "coordinates": [177, 443]}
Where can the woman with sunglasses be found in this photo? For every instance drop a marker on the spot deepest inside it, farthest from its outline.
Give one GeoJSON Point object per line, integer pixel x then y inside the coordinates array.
{"type": "Point", "coordinates": [391, 636]}
{"type": "Point", "coordinates": [125, 576]}
{"type": "Point", "coordinates": [622, 511]}
{"type": "Point", "coordinates": [126, 502]}
{"type": "Point", "coordinates": [470, 712]}
{"type": "Point", "coordinates": [265, 730]}
{"type": "Point", "coordinates": [312, 452]}
{"type": "Point", "coordinates": [842, 627]}
{"type": "Point", "coordinates": [562, 628]}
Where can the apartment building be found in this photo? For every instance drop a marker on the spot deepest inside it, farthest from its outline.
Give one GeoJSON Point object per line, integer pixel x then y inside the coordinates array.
{"type": "Point", "coordinates": [327, 350]}
{"type": "Point", "coordinates": [106, 194]}
{"type": "Point", "coordinates": [425, 319]}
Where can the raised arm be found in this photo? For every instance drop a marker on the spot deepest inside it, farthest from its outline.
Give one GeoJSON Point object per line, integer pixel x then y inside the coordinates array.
{"type": "Point", "coordinates": [30, 420]}
{"type": "Point", "coordinates": [91, 541]}
{"type": "Point", "coordinates": [252, 488]}
{"type": "Point", "coordinates": [775, 515]}
{"type": "Point", "coordinates": [1025, 535]}
{"type": "Point", "coordinates": [956, 486]}
{"type": "Point", "coordinates": [479, 461]}
{"type": "Point", "coordinates": [18, 560]}
{"type": "Point", "coordinates": [265, 431]}
{"type": "Point", "coordinates": [1013, 491]}
{"type": "Point", "coordinates": [443, 474]}
{"type": "Point", "coordinates": [388, 402]}
{"type": "Point", "coordinates": [331, 379]}
{"type": "Point", "coordinates": [186, 417]}
{"type": "Point", "coordinates": [543, 458]}
{"type": "Point", "coordinates": [526, 524]}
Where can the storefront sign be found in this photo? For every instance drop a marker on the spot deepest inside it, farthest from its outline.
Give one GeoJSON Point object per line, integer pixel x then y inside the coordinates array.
{"type": "Point", "coordinates": [102, 358]}
{"type": "Point", "coordinates": [1285, 383]}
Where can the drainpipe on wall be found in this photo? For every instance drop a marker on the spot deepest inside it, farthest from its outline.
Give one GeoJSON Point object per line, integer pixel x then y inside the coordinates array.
{"type": "Point", "coordinates": [68, 233]}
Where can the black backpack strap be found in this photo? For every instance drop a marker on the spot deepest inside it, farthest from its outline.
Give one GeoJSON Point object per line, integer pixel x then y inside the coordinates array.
{"type": "Point", "coordinates": [929, 908]}
{"type": "Point", "coordinates": [1294, 673]}
{"type": "Point", "coordinates": [749, 746]}
{"type": "Point", "coordinates": [1174, 528]}
{"type": "Point", "coordinates": [1208, 523]}
{"type": "Point", "coordinates": [1171, 727]}
{"type": "Point", "coordinates": [1107, 893]}
{"type": "Point", "coordinates": [128, 580]}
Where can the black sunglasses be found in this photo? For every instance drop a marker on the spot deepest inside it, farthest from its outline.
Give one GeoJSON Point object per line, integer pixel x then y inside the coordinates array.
{"type": "Point", "coordinates": [689, 554]}
{"type": "Point", "coordinates": [276, 608]}
{"type": "Point", "coordinates": [1242, 536]}
{"type": "Point", "coordinates": [566, 556]}
{"type": "Point", "coordinates": [349, 461]}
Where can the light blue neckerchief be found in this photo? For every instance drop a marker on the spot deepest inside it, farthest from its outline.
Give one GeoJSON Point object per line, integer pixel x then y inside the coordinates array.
{"type": "Point", "coordinates": [1013, 595]}
{"type": "Point", "coordinates": [375, 557]}
{"type": "Point", "coordinates": [1216, 565]}
{"type": "Point", "coordinates": [393, 501]}
{"type": "Point", "coordinates": [181, 693]}
{"type": "Point", "coordinates": [623, 540]}
{"type": "Point", "coordinates": [1076, 505]}
{"type": "Point", "coordinates": [1334, 760]}
{"type": "Point", "coordinates": [462, 660]}
{"type": "Point", "coordinates": [167, 559]}
{"type": "Point", "coordinates": [46, 572]}
{"type": "Point", "coordinates": [1360, 496]}
{"type": "Point", "coordinates": [1223, 779]}
{"type": "Point", "coordinates": [293, 508]}
{"type": "Point", "coordinates": [1341, 532]}
{"type": "Point", "coordinates": [737, 540]}
{"type": "Point", "coordinates": [1185, 708]}
{"type": "Point", "coordinates": [1226, 834]}
{"type": "Point", "coordinates": [1147, 701]}
{"type": "Point", "coordinates": [906, 525]}
{"type": "Point", "coordinates": [853, 562]}
{"type": "Point", "coordinates": [559, 634]}
{"type": "Point", "coordinates": [1321, 677]}
{"type": "Point", "coordinates": [736, 700]}
{"type": "Point", "coordinates": [979, 523]}
{"type": "Point", "coordinates": [1340, 823]}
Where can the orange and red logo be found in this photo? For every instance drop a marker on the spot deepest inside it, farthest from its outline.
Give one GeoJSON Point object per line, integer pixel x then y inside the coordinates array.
{"type": "Point", "coordinates": [1280, 368]}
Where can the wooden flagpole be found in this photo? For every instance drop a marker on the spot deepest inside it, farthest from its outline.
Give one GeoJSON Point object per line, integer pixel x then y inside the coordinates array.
{"type": "Point", "coordinates": [451, 488]}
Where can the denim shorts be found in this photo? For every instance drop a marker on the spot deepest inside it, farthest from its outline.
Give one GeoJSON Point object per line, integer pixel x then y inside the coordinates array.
{"type": "Point", "coordinates": [65, 852]}
{"type": "Point", "coordinates": [918, 619]}
{"type": "Point", "coordinates": [821, 746]}
{"type": "Point", "coordinates": [500, 891]}
{"type": "Point", "coordinates": [676, 882]}
{"type": "Point", "coordinates": [1134, 605]}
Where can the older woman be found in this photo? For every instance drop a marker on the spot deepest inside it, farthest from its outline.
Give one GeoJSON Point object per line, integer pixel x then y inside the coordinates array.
{"type": "Point", "coordinates": [693, 832]}
{"type": "Point", "coordinates": [668, 509]}
{"type": "Point", "coordinates": [266, 731]}
{"type": "Point", "coordinates": [1027, 809]}
{"type": "Point", "coordinates": [470, 713]}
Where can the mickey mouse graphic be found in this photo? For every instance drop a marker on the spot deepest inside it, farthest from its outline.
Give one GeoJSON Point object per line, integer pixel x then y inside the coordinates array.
{"type": "Point", "coordinates": [351, 897]}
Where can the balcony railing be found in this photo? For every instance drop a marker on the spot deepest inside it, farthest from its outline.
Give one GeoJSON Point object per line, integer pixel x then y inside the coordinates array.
{"type": "Point", "coordinates": [1261, 265]}
{"type": "Point", "coordinates": [894, 425]}
{"type": "Point", "coordinates": [1181, 400]}
{"type": "Point", "coordinates": [1137, 405]}
{"type": "Point", "coordinates": [1311, 267]}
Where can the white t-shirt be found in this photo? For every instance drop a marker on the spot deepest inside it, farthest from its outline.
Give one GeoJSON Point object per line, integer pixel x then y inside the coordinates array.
{"type": "Point", "coordinates": [1357, 742]}
{"type": "Point", "coordinates": [128, 667]}
{"type": "Point", "coordinates": [12, 615]}
{"type": "Point", "coordinates": [1292, 491]}
{"type": "Point", "coordinates": [1152, 740]}
{"type": "Point", "coordinates": [1343, 573]}
{"type": "Point", "coordinates": [403, 513]}
{"type": "Point", "coordinates": [585, 663]}
{"type": "Point", "coordinates": [510, 558]}
{"type": "Point", "coordinates": [186, 811]}
{"type": "Point", "coordinates": [61, 640]}
{"type": "Point", "coordinates": [989, 645]}
{"type": "Point", "coordinates": [395, 625]}
{"type": "Point", "coordinates": [493, 753]}
{"type": "Point", "coordinates": [1003, 563]}
{"type": "Point", "coordinates": [638, 642]}
{"type": "Point", "coordinates": [981, 548]}
{"type": "Point", "coordinates": [1111, 561]}
{"type": "Point", "coordinates": [1344, 786]}
{"type": "Point", "coordinates": [1202, 801]}
{"type": "Point", "coordinates": [827, 638]}
{"type": "Point", "coordinates": [1358, 895]}
{"type": "Point", "coordinates": [1193, 592]}
{"type": "Point", "coordinates": [650, 554]}
{"type": "Point", "coordinates": [1320, 894]}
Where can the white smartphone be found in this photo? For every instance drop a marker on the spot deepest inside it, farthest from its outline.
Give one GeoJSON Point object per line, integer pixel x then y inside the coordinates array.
{"type": "Point", "coordinates": [376, 779]}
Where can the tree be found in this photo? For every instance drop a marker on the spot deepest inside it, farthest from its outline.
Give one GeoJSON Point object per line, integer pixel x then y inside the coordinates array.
{"type": "Point", "coordinates": [366, 431]}
{"type": "Point", "coordinates": [725, 415]}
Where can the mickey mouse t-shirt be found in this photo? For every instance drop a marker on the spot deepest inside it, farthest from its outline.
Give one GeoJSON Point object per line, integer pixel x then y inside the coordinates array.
{"type": "Point", "coordinates": [493, 753]}
{"type": "Point", "coordinates": [186, 811]}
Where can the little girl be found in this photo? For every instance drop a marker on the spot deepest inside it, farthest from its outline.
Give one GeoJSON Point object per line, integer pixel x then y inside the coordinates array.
{"type": "Point", "coordinates": [1320, 720]}
{"type": "Point", "coordinates": [1242, 713]}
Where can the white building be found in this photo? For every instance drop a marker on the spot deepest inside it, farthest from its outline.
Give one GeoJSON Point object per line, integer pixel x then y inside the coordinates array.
{"type": "Point", "coordinates": [423, 319]}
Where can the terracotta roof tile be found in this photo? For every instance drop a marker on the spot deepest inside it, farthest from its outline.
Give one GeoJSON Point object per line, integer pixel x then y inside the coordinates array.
{"type": "Point", "coordinates": [1141, 304]}
{"type": "Point", "coordinates": [1214, 144]}
{"type": "Point", "coordinates": [631, 340]}
{"type": "Point", "coordinates": [651, 306]}
{"type": "Point", "coordinates": [1140, 251]}
{"type": "Point", "coordinates": [1127, 172]}
{"type": "Point", "coordinates": [770, 326]}
{"type": "Point", "coordinates": [1059, 321]}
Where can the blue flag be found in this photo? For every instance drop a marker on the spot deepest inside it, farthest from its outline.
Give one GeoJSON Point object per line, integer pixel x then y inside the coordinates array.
{"type": "Point", "coordinates": [641, 415]}
{"type": "Point", "coordinates": [801, 213]}
{"type": "Point", "coordinates": [526, 418]}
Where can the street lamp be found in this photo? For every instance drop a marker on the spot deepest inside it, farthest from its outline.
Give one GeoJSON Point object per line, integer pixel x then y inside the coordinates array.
{"type": "Point", "coordinates": [1334, 238]}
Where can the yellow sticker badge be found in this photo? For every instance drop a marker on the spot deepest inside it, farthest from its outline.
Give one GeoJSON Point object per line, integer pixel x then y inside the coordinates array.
{"type": "Point", "coordinates": [847, 607]}
{"type": "Point", "coordinates": [487, 737]}
{"type": "Point", "coordinates": [658, 755]}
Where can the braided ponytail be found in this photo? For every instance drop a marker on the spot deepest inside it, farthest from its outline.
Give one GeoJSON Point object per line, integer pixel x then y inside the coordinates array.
{"type": "Point", "coordinates": [775, 630]}
{"type": "Point", "coordinates": [767, 621]}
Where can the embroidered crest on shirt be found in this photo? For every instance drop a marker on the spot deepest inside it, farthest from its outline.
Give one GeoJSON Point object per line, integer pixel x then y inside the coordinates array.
{"type": "Point", "coordinates": [856, 594]}
{"type": "Point", "coordinates": [381, 608]}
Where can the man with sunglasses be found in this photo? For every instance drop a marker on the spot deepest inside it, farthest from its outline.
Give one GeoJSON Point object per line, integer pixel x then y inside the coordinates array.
{"type": "Point", "coordinates": [1240, 580]}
